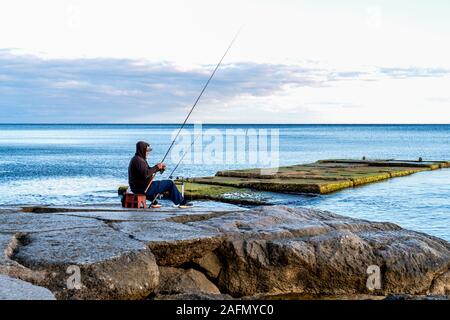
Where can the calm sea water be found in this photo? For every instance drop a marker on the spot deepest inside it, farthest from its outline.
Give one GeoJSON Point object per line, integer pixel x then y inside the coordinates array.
{"type": "Point", "coordinates": [84, 164]}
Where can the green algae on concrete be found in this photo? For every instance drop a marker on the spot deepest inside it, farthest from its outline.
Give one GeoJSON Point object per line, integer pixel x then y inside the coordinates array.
{"type": "Point", "coordinates": [432, 165]}
{"type": "Point", "coordinates": [321, 177]}
{"type": "Point", "coordinates": [278, 185]}
{"type": "Point", "coordinates": [221, 193]}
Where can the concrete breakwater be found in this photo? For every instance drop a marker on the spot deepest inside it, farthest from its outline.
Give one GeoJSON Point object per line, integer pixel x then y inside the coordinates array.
{"type": "Point", "coordinates": [321, 177]}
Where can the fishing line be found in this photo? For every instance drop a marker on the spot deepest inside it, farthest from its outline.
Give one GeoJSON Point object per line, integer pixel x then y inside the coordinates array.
{"type": "Point", "coordinates": [194, 105]}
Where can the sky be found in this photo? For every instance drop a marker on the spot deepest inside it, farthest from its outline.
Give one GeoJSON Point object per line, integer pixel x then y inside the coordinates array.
{"type": "Point", "coordinates": [295, 61]}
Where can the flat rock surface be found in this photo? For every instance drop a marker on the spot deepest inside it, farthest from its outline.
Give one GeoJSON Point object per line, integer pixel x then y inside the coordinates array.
{"type": "Point", "coordinates": [14, 289]}
{"type": "Point", "coordinates": [155, 231]}
{"type": "Point", "coordinates": [76, 246]}
{"type": "Point", "coordinates": [25, 222]}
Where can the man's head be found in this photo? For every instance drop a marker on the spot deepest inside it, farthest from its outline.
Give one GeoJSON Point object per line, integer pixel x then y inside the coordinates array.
{"type": "Point", "coordinates": [143, 149]}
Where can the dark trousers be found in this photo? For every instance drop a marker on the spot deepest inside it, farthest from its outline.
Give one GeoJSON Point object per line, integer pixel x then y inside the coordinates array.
{"type": "Point", "coordinates": [163, 186]}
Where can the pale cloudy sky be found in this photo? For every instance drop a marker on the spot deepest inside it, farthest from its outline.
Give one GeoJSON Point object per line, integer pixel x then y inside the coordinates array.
{"type": "Point", "coordinates": [294, 61]}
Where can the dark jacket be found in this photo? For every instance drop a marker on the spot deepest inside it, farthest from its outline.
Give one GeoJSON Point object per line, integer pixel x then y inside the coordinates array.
{"type": "Point", "coordinates": [139, 172]}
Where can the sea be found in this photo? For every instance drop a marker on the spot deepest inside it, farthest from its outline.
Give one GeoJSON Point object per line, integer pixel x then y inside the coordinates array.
{"type": "Point", "coordinates": [83, 164]}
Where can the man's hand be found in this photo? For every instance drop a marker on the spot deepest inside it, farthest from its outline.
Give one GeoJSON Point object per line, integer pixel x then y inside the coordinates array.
{"type": "Point", "coordinates": [161, 166]}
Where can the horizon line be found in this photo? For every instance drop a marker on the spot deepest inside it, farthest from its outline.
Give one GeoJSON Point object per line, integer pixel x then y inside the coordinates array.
{"type": "Point", "coordinates": [214, 123]}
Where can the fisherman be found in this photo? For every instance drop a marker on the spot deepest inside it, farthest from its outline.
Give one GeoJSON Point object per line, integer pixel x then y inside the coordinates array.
{"type": "Point", "coordinates": [140, 175]}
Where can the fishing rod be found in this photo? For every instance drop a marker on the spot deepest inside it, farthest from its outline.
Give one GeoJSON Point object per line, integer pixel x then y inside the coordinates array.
{"type": "Point", "coordinates": [193, 107]}
{"type": "Point", "coordinates": [182, 157]}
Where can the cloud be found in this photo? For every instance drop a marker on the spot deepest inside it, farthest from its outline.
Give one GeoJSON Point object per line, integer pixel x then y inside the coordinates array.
{"type": "Point", "coordinates": [35, 89]}
{"type": "Point", "coordinates": [402, 73]}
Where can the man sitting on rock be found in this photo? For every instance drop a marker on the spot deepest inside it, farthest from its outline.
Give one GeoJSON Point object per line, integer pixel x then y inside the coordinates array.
{"type": "Point", "coordinates": [140, 174]}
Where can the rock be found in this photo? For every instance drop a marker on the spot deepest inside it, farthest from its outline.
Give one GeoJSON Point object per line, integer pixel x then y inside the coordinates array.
{"type": "Point", "coordinates": [110, 216]}
{"type": "Point", "coordinates": [279, 250]}
{"type": "Point", "coordinates": [329, 261]}
{"type": "Point", "coordinates": [14, 289]}
{"type": "Point", "coordinates": [267, 251]}
{"type": "Point", "coordinates": [172, 243]}
{"type": "Point", "coordinates": [441, 285]}
{"type": "Point", "coordinates": [179, 281]}
{"type": "Point", "coordinates": [210, 263]}
{"type": "Point", "coordinates": [26, 222]}
{"type": "Point", "coordinates": [111, 265]}
{"type": "Point", "coordinates": [9, 244]}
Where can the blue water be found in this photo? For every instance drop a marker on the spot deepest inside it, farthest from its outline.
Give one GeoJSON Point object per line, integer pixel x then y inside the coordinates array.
{"type": "Point", "coordinates": [84, 164]}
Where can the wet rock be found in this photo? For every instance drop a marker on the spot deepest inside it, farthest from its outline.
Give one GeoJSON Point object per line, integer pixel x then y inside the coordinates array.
{"type": "Point", "coordinates": [180, 281]}
{"type": "Point", "coordinates": [109, 264]}
{"type": "Point", "coordinates": [14, 289]}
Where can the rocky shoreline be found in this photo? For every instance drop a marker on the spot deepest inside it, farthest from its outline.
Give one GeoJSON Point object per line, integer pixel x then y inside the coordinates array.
{"type": "Point", "coordinates": [235, 253]}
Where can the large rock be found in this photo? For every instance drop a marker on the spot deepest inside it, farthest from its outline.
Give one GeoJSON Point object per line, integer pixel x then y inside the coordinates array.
{"type": "Point", "coordinates": [441, 285]}
{"type": "Point", "coordinates": [110, 264]}
{"type": "Point", "coordinates": [282, 250]}
{"type": "Point", "coordinates": [179, 281]}
{"type": "Point", "coordinates": [330, 264]}
{"type": "Point", "coordinates": [14, 289]}
{"type": "Point", "coordinates": [265, 251]}
{"type": "Point", "coordinates": [210, 263]}
{"type": "Point", "coordinates": [173, 244]}
{"type": "Point", "coordinates": [48, 250]}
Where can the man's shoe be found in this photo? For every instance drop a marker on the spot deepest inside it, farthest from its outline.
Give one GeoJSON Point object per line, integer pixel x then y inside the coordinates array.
{"type": "Point", "coordinates": [184, 205]}
{"type": "Point", "coordinates": [156, 205]}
